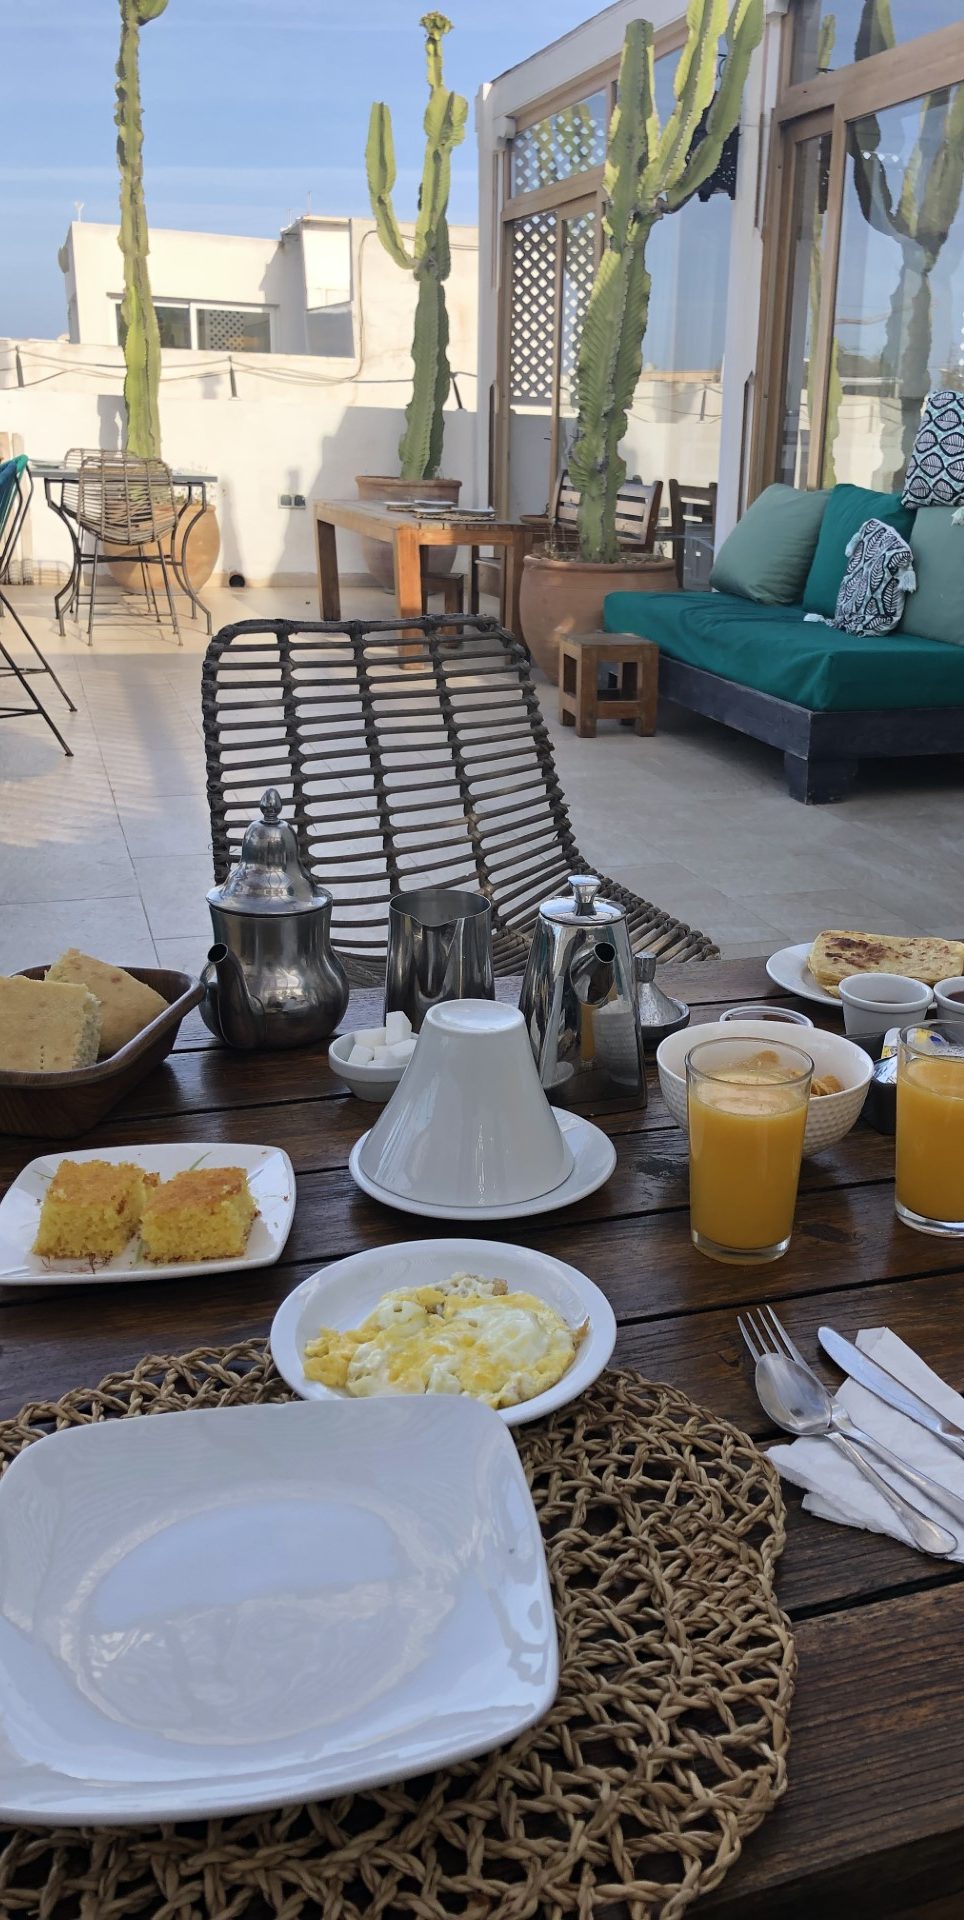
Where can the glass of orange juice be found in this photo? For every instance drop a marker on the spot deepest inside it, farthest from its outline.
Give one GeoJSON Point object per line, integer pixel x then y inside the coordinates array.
{"type": "Point", "coordinates": [747, 1110]}
{"type": "Point", "coordinates": [929, 1190]}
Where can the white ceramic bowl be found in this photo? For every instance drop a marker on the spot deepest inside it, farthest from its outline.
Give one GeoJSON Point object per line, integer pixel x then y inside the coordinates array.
{"type": "Point", "coordinates": [468, 1124]}
{"type": "Point", "coordinates": [830, 1116]}
{"type": "Point", "coordinates": [872, 1002]}
{"type": "Point", "coordinates": [369, 1082]}
{"type": "Point", "coordinates": [950, 1009]}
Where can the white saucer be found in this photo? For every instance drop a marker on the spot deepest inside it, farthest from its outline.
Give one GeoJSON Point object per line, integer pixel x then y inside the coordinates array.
{"type": "Point", "coordinates": [593, 1159]}
{"type": "Point", "coordinates": [344, 1294]}
{"type": "Point", "coordinates": [789, 969]}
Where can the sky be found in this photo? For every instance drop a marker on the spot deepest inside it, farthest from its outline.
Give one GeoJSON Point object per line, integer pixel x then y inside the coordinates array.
{"type": "Point", "coordinates": [250, 106]}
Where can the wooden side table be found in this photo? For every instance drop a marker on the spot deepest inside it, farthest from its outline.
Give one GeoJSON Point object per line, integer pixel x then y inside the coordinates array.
{"type": "Point", "coordinates": [580, 703]}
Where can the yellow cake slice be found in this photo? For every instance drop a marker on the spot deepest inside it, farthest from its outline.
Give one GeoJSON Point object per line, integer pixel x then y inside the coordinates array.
{"type": "Point", "coordinates": [126, 1004]}
{"type": "Point", "coordinates": [203, 1214]}
{"type": "Point", "coordinates": [924, 957]}
{"type": "Point", "coordinates": [91, 1209]}
{"type": "Point", "coordinates": [46, 1026]}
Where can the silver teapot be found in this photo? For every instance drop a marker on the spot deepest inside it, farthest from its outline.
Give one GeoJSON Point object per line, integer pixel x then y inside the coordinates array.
{"type": "Point", "coordinates": [272, 979]}
{"type": "Point", "coordinates": [579, 1004]}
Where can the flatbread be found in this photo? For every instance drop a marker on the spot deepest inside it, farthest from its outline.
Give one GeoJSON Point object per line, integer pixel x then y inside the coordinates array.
{"type": "Point", "coordinates": [46, 1028]}
{"type": "Point", "coordinates": [923, 957]}
{"type": "Point", "coordinates": [126, 1004]}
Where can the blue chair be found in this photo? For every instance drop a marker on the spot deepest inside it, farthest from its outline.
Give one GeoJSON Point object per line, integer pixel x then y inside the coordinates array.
{"type": "Point", "coordinates": [16, 493]}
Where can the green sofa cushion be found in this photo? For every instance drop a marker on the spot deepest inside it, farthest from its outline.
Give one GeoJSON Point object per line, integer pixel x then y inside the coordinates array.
{"type": "Point", "coordinates": [767, 555]}
{"type": "Point", "coordinates": [777, 651]}
{"type": "Point", "coordinates": [936, 610]}
{"type": "Point", "coordinates": [847, 510]}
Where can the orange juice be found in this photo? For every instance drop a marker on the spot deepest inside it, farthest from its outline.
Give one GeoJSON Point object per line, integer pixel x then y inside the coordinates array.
{"type": "Point", "coordinates": [930, 1136]}
{"type": "Point", "coordinates": [745, 1147]}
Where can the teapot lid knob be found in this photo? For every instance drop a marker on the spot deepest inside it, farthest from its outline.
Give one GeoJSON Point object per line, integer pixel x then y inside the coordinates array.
{"type": "Point", "coordinates": [585, 887]}
{"type": "Point", "coordinates": [271, 804]}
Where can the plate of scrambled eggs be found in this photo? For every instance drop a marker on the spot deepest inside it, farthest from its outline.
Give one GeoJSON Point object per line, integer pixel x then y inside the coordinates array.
{"type": "Point", "coordinates": [505, 1325]}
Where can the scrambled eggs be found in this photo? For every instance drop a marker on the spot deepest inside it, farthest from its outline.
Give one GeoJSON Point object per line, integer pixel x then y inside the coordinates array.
{"type": "Point", "coordinates": [464, 1335]}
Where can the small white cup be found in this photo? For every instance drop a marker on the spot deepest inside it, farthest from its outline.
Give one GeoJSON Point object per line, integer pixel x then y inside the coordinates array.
{"type": "Point", "coordinates": [872, 1002]}
{"type": "Point", "coordinates": [952, 1008]}
{"type": "Point", "coordinates": [468, 1124]}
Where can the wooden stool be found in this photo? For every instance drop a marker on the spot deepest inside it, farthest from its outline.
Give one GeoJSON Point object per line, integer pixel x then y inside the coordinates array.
{"type": "Point", "coordinates": [580, 703]}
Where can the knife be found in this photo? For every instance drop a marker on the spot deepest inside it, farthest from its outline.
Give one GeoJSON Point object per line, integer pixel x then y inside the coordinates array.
{"type": "Point", "coordinates": [868, 1373]}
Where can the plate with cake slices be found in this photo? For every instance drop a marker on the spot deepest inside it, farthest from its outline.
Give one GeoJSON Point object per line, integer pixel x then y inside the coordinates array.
{"type": "Point", "coordinates": [145, 1213]}
{"type": "Point", "coordinates": [815, 968]}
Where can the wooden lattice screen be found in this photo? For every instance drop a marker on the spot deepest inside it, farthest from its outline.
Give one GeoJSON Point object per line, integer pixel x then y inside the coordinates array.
{"type": "Point", "coordinates": [434, 769]}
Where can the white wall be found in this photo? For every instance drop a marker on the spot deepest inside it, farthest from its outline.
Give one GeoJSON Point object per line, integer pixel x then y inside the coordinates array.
{"type": "Point", "coordinates": [265, 424]}
{"type": "Point", "coordinates": [597, 40]}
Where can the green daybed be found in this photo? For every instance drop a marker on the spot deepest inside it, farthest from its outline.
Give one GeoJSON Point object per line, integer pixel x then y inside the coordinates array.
{"type": "Point", "coordinates": [800, 685]}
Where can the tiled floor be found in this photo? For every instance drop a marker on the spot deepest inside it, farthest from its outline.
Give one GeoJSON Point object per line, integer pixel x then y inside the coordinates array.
{"type": "Point", "coordinates": [110, 850]}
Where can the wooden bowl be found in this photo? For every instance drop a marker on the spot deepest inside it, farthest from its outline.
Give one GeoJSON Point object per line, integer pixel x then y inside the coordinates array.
{"type": "Point", "coordinates": [60, 1105]}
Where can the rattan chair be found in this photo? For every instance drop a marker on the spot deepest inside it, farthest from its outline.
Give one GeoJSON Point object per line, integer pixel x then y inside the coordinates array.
{"type": "Point", "coordinates": [123, 502]}
{"type": "Point", "coordinates": [16, 493]}
{"type": "Point", "coordinates": [402, 763]}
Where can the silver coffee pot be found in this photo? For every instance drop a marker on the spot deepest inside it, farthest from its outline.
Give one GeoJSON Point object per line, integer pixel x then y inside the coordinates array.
{"type": "Point", "coordinates": [579, 1001]}
{"type": "Point", "coordinates": [272, 979]}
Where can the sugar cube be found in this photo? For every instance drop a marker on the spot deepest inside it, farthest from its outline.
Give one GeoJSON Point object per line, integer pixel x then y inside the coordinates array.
{"type": "Point", "coordinates": [370, 1037]}
{"type": "Point", "coordinates": [403, 1049]}
{"type": "Point", "coordinates": [361, 1056]}
{"type": "Point", "coordinates": [397, 1027]}
{"type": "Point", "coordinates": [383, 1057]}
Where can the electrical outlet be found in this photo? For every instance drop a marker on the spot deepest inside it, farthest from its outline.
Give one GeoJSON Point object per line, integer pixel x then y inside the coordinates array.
{"type": "Point", "coordinates": [284, 499]}
{"type": "Point", "coordinates": [299, 500]}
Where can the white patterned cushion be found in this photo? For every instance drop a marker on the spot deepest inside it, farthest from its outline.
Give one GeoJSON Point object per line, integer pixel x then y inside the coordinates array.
{"type": "Point", "coordinates": [935, 474]}
{"type": "Point", "coordinates": [879, 572]}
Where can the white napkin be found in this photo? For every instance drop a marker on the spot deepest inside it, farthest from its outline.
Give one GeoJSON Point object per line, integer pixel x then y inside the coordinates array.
{"type": "Point", "coordinates": [836, 1490]}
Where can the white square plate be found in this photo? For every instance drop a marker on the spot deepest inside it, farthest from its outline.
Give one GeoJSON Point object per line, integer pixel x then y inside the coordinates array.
{"type": "Point", "coordinates": [216, 1611]}
{"type": "Point", "coordinates": [343, 1294]}
{"type": "Point", "coordinates": [271, 1178]}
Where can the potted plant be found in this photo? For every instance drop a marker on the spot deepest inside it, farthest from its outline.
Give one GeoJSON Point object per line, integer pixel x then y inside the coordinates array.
{"type": "Point", "coordinates": [195, 541]}
{"type": "Point", "coordinates": [429, 259]}
{"type": "Point", "coordinates": [650, 172]}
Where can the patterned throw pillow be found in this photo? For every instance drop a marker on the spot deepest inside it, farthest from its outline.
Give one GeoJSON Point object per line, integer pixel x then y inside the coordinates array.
{"type": "Point", "coordinates": [935, 475]}
{"type": "Point", "coordinates": [880, 571]}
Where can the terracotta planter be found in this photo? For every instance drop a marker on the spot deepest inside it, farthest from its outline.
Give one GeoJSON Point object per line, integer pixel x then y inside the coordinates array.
{"type": "Point", "coordinates": [566, 596]}
{"type": "Point", "coordinates": [379, 487]}
{"type": "Point", "coordinates": [197, 543]}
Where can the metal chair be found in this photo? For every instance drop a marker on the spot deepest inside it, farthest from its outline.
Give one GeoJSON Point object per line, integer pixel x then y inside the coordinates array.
{"type": "Point", "coordinates": [16, 493]}
{"type": "Point", "coordinates": [402, 763]}
{"type": "Point", "coordinates": [123, 502]}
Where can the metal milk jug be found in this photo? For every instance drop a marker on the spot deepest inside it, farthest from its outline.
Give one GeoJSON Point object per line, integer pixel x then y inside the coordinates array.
{"type": "Point", "coordinates": [579, 1001]}
{"type": "Point", "coordinates": [272, 978]}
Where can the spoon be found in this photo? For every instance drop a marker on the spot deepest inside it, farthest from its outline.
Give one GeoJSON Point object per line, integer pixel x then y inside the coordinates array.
{"type": "Point", "coordinates": [801, 1404]}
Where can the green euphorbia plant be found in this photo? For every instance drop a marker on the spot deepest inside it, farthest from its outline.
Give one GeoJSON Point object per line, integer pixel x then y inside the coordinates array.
{"type": "Point", "coordinates": [420, 449]}
{"type": "Point", "coordinates": [142, 342]}
{"type": "Point", "coordinates": [650, 172]}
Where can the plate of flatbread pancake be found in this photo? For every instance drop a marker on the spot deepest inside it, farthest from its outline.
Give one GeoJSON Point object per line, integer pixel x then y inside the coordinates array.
{"type": "Point", "coordinates": [815, 968]}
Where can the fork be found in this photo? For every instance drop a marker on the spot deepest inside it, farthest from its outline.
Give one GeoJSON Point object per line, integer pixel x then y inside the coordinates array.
{"type": "Point", "coordinates": [796, 1399]}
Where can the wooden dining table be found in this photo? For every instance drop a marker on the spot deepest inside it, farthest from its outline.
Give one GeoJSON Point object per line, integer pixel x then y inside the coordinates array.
{"type": "Point", "coordinates": [873, 1822]}
{"type": "Point", "coordinates": [412, 539]}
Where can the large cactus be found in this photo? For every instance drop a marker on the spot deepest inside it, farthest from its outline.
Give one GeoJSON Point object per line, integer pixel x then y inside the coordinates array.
{"type": "Point", "coordinates": [142, 344]}
{"type": "Point", "coordinates": [420, 448]}
{"type": "Point", "coordinates": [650, 172]}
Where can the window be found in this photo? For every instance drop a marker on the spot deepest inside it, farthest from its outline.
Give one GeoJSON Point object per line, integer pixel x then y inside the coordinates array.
{"type": "Point", "coordinates": [174, 324]}
{"type": "Point", "coordinates": [564, 143]}
{"type": "Point", "coordinates": [331, 331]}
{"type": "Point", "coordinates": [828, 34]}
{"type": "Point", "coordinates": [233, 329]}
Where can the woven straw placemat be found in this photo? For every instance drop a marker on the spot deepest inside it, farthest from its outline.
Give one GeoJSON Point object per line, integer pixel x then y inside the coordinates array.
{"type": "Point", "coordinates": [666, 1746]}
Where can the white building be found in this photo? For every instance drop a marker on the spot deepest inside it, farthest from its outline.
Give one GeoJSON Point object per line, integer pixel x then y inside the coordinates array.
{"type": "Point", "coordinates": [293, 377]}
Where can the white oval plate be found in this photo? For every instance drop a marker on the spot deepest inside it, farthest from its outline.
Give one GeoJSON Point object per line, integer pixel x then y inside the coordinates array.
{"type": "Point", "coordinates": [271, 1178]}
{"type": "Point", "coordinates": [789, 969]}
{"type": "Point", "coordinates": [344, 1294]}
{"type": "Point", "coordinates": [593, 1159]}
